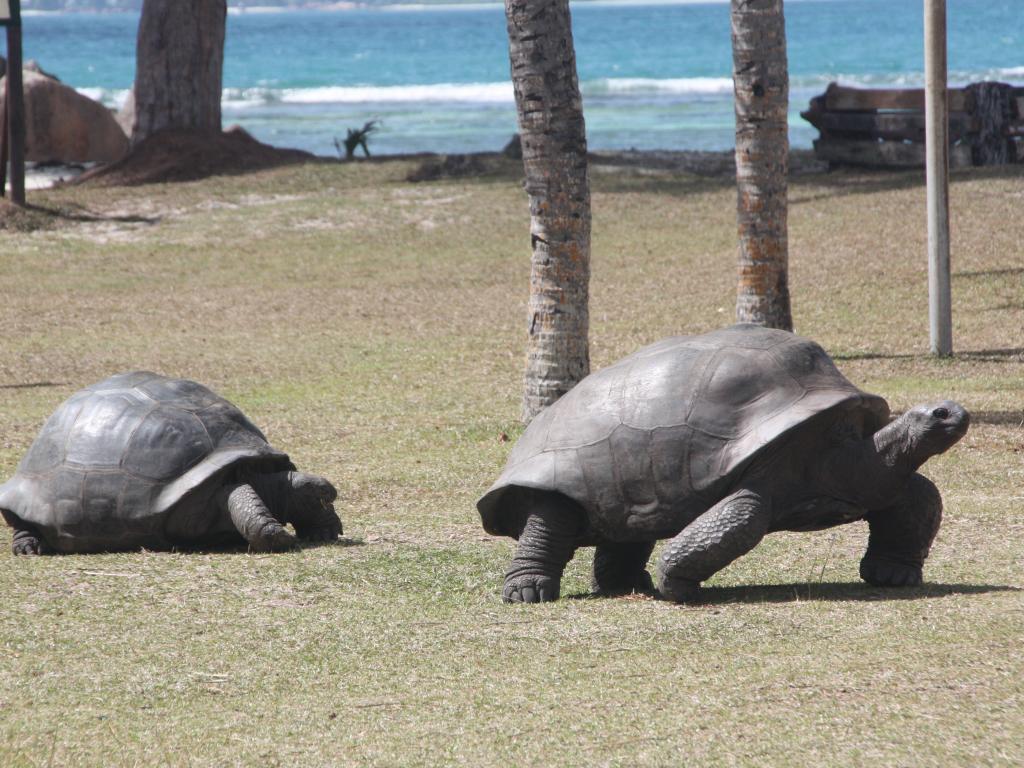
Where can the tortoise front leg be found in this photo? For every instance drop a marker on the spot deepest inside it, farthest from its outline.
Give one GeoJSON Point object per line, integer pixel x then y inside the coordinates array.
{"type": "Point", "coordinates": [27, 539]}
{"type": "Point", "coordinates": [728, 530]}
{"type": "Point", "coordinates": [253, 520]}
{"type": "Point", "coordinates": [622, 568]}
{"type": "Point", "coordinates": [901, 536]}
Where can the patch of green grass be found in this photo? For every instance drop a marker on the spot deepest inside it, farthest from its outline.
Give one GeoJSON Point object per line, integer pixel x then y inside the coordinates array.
{"type": "Point", "coordinates": [375, 330]}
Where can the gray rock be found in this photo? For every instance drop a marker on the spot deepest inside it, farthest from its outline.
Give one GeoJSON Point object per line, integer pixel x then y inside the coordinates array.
{"type": "Point", "coordinates": [713, 441]}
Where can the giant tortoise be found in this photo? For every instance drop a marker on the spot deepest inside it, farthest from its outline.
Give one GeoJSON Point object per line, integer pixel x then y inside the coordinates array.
{"type": "Point", "coordinates": [143, 461]}
{"type": "Point", "coordinates": [713, 441]}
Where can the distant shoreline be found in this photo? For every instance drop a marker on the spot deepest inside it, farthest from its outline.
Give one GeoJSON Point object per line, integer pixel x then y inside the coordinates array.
{"type": "Point", "coordinates": [717, 164]}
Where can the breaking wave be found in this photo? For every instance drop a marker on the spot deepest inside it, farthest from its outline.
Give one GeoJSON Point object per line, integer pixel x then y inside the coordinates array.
{"type": "Point", "coordinates": [501, 93]}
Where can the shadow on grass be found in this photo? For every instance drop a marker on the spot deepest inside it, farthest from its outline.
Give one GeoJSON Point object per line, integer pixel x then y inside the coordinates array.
{"type": "Point", "coordinates": [84, 215]}
{"type": "Point", "coordinates": [33, 385]}
{"type": "Point", "coordinates": [32, 218]}
{"type": "Point", "coordinates": [241, 548]}
{"type": "Point", "coordinates": [804, 187]}
{"type": "Point", "coordinates": [844, 591]}
{"type": "Point", "coordinates": [992, 272]}
{"type": "Point", "coordinates": [850, 591]}
{"type": "Point", "coordinates": [1012, 354]}
{"type": "Point", "coordinates": [852, 181]}
{"type": "Point", "coordinates": [844, 183]}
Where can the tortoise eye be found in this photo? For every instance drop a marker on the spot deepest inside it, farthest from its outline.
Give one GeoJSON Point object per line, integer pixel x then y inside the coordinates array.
{"type": "Point", "coordinates": [940, 413]}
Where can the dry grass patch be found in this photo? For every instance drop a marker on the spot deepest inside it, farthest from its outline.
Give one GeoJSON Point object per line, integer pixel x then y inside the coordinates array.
{"type": "Point", "coordinates": [374, 329]}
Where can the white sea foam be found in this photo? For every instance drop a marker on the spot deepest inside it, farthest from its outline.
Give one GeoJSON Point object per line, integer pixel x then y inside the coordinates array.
{"type": "Point", "coordinates": [501, 92]}
{"type": "Point", "coordinates": [1017, 72]}
{"type": "Point", "coordinates": [470, 93]}
{"type": "Point", "coordinates": [109, 97]}
{"type": "Point", "coordinates": [478, 93]}
{"type": "Point", "coordinates": [679, 85]}
{"type": "Point", "coordinates": [496, 4]}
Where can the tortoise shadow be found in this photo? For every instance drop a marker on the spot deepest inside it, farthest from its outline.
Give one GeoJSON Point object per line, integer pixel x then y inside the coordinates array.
{"type": "Point", "coordinates": [843, 591]}
{"type": "Point", "coordinates": [241, 548]}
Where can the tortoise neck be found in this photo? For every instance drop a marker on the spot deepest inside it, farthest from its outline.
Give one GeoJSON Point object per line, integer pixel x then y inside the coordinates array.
{"type": "Point", "coordinates": [870, 472]}
{"type": "Point", "coordinates": [274, 488]}
{"type": "Point", "coordinates": [896, 449]}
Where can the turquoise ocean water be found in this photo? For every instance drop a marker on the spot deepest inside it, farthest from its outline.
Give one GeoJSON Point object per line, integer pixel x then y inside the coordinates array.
{"type": "Point", "coordinates": [653, 76]}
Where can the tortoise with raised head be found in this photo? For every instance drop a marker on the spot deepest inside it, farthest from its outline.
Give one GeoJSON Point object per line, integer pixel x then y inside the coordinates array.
{"type": "Point", "coordinates": [712, 442]}
{"type": "Point", "coordinates": [145, 461]}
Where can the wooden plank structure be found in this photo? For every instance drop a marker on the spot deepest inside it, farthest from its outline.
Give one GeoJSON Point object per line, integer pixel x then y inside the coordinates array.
{"type": "Point", "coordinates": [885, 128]}
{"type": "Point", "coordinates": [12, 127]}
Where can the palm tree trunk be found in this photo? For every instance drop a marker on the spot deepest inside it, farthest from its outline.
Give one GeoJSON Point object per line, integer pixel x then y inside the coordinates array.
{"type": "Point", "coordinates": [555, 161]}
{"type": "Point", "coordinates": [761, 83]}
{"type": "Point", "coordinates": [179, 66]}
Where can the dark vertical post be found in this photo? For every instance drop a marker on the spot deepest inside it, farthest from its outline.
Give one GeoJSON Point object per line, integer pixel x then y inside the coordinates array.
{"type": "Point", "coordinates": [16, 105]}
{"type": "Point", "coordinates": [992, 113]}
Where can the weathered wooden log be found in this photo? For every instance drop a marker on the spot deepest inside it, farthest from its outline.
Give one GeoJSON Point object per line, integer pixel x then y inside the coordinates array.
{"type": "Point", "coordinates": [841, 98]}
{"type": "Point", "coordinates": [871, 126]}
{"type": "Point", "coordinates": [898, 126]}
{"type": "Point", "coordinates": [994, 112]}
{"type": "Point", "coordinates": [883, 154]}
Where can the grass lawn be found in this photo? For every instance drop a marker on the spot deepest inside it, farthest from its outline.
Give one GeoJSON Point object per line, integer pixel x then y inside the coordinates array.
{"type": "Point", "coordinates": [375, 330]}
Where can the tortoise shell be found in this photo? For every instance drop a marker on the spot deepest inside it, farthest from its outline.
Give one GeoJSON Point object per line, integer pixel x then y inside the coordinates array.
{"type": "Point", "coordinates": [652, 441]}
{"type": "Point", "coordinates": [118, 460]}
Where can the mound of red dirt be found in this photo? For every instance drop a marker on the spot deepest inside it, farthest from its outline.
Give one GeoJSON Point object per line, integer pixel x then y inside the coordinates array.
{"type": "Point", "coordinates": [187, 156]}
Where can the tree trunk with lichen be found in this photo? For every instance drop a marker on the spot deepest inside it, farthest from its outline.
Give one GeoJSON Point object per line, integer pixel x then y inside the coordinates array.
{"type": "Point", "coordinates": [179, 66]}
{"type": "Point", "coordinates": [761, 84]}
{"type": "Point", "coordinates": [555, 161]}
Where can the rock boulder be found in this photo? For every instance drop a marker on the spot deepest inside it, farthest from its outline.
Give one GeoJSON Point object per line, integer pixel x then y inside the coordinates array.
{"type": "Point", "coordinates": [62, 125]}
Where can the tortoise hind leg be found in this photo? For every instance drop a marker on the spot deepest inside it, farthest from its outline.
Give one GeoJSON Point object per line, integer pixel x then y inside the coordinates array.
{"type": "Point", "coordinates": [253, 520]}
{"type": "Point", "coordinates": [547, 543]}
{"type": "Point", "coordinates": [27, 539]}
{"type": "Point", "coordinates": [901, 536]}
{"type": "Point", "coordinates": [620, 569]}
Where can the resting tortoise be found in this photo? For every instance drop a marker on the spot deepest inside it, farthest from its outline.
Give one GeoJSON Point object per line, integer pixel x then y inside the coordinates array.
{"type": "Point", "coordinates": [714, 441]}
{"type": "Point", "coordinates": [141, 460]}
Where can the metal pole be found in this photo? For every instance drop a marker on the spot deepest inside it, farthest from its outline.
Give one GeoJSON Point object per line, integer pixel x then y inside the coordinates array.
{"type": "Point", "coordinates": [16, 106]}
{"type": "Point", "coordinates": [936, 111]}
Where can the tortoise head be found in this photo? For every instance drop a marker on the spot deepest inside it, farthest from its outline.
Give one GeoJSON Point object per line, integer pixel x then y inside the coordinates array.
{"type": "Point", "coordinates": [311, 490]}
{"type": "Point", "coordinates": [922, 432]}
{"type": "Point", "coordinates": [308, 497]}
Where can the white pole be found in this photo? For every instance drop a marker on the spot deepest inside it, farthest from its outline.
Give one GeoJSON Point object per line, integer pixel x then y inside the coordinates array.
{"type": "Point", "coordinates": [936, 111]}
